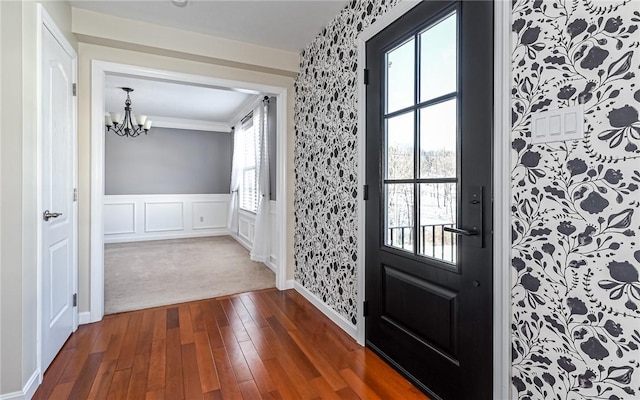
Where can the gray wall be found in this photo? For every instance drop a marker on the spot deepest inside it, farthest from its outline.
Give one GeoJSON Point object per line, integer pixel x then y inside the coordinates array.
{"type": "Point", "coordinates": [168, 161]}
{"type": "Point", "coordinates": [273, 134]}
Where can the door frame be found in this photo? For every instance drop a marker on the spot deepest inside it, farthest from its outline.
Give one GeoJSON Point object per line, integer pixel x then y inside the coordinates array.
{"type": "Point", "coordinates": [44, 20]}
{"type": "Point", "coordinates": [99, 69]}
{"type": "Point", "coordinates": [501, 185]}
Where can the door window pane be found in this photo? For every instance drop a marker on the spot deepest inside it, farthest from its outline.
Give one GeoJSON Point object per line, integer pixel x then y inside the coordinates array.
{"type": "Point", "coordinates": [438, 59]}
{"type": "Point", "coordinates": [438, 209]}
{"type": "Point", "coordinates": [401, 76]}
{"type": "Point", "coordinates": [438, 140]}
{"type": "Point", "coordinates": [400, 147]}
{"type": "Point", "coordinates": [399, 216]}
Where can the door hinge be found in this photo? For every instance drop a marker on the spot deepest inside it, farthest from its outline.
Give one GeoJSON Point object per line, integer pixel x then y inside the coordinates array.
{"type": "Point", "coordinates": [74, 88]}
{"type": "Point", "coordinates": [366, 76]}
{"type": "Point", "coordinates": [75, 194]}
{"type": "Point", "coordinates": [365, 308]}
{"type": "Point", "coordinates": [365, 192]}
{"type": "Point", "coordinates": [75, 299]}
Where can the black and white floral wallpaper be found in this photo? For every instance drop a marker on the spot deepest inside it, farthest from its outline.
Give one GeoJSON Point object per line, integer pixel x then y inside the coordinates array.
{"type": "Point", "coordinates": [576, 205]}
{"type": "Point", "coordinates": [576, 217]}
{"type": "Point", "coordinates": [326, 159]}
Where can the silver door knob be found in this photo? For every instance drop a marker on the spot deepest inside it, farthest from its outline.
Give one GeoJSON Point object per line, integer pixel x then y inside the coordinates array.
{"type": "Point", "coordinates": [48, 215]}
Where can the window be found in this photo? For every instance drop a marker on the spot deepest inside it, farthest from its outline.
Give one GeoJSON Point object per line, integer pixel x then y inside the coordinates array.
{"type": "Point", "coordinates": [421, 142]}
{"type": "Point", "coordinates": [248, 180]}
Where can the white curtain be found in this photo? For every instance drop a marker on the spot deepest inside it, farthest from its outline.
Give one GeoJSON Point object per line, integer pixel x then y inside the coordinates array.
{"type": "Point", "coordinates": [236, 170]}
{"type": "Point", "coordinates": [261, 248]}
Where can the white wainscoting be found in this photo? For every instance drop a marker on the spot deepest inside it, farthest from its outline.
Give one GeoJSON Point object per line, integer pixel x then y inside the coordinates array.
{"type": "Point", "coordinates": [132, 218]}
{"type": "Point", "coordinates": [246, 231]}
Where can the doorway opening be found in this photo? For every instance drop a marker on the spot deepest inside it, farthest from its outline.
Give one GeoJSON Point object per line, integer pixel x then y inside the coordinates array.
{"type": "Point", "coordinates": [162, 227]}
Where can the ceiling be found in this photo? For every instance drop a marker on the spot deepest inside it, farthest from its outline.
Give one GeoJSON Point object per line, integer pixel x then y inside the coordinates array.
{"type": "Point", "coordinates": [175, 100]}
{"type": "Point", "coordinates": [284, 24]}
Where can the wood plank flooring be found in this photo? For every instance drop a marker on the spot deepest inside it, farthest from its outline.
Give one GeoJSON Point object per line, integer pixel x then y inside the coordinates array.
{"type": "Point", "coordinates": [259, 345]}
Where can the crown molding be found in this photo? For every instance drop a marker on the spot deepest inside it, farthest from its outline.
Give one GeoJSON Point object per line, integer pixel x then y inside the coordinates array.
{"type": "Point", "coordinates": [192, 124]}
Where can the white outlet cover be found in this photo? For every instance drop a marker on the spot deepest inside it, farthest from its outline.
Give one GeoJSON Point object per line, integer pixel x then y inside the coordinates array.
{"type": "Point", "coordinates": [557, 125]}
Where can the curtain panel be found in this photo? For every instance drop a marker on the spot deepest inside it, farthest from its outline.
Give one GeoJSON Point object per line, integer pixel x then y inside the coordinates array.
{"type": "Point", "coordinates": [261, 248]}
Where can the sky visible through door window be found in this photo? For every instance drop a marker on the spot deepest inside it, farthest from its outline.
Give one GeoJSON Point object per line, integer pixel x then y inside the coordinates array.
{"type": "Point", "coordinates": [437, 139]}
{"type": "Point", "coordinates": [436, 78]}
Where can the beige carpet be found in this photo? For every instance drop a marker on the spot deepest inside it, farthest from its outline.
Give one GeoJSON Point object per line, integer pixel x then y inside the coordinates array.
{"type": "Point", "coordinates": [149, 274]}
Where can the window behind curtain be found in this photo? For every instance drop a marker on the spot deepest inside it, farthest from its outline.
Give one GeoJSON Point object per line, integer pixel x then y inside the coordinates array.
{"type": "Point", "coordinates": [249, 183]}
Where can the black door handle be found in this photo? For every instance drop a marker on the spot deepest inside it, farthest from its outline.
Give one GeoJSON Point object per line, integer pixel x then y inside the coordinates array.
{"type": "Point", "coordinates": [462, 232]}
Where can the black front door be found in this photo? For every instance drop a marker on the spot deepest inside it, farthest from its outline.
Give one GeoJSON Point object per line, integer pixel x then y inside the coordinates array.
{"type": "Point", "coordinates": [429, 213]}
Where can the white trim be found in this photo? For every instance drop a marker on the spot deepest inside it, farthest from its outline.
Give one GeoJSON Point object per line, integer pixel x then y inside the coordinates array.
{"type": "Point", "coordinates": [244, 242]}
{"type": "Point", "coordinates": [281, 188]}
{"type": "Point", "coordinates": [50, 24]}
{"type": "Point", "coordinates": [246, 108]}
{"type": "Point", "coordinates": [98, 71]}
{"type": "Point", "coordinates": [501, 183]}
{"type": "Point", "coordinates": [168, 236]}
{"type": "Point", "coordinates": [84, 317]}
{"type": "Point", "coordinates": [32, 384]}
{"type": "Point", "coordinates": [400, 9]}
{"type": "Point", "coordinates": [29, 388]}
{"type": "Point", "coordinates": [385, 20]}
{"type": "Point", "coordinates": [96, 238]}
{"type": "Point", "coordinates": [336, 318]}
{"type": "Point", "coordinates": [44, 20]}
{"type": "Point", "coordinates": [270, 263]}
{"type": "Point", "coordinates": [129, 214]}
{"type": "Point", "coordinates": [190, 124]}
{"type": "Point", "coordinates": [41, 12]}
{"type": "Point", "coordinates": [502, 201]}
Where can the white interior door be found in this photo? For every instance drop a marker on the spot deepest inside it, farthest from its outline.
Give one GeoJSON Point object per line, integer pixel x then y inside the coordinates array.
{"type": "Point", "coordinates": [58, 249]}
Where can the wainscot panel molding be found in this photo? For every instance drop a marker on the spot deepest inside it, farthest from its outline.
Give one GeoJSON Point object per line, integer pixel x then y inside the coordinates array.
{"type": "Point", "coordinates": [246, 231]}
{"type": "Point", "coordinates": [132, 218]}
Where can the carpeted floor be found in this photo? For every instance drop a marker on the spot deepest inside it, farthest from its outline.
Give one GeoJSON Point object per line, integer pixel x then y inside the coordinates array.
{"type": "Point", "coordinates": [149, 274]}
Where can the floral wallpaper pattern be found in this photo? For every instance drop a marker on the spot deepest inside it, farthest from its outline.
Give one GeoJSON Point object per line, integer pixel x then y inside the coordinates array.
{"type": "Point", "coordinates": [575, 214]}
{"type": "Point", "coordinates": [576, 217]}
{"type": "Point", "coordinates": [326, 185]}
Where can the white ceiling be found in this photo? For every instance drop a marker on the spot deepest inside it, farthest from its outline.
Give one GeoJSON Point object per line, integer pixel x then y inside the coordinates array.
{"type": "Point", "coordinates": [284, 24]}
{"type": "Point", "coordinates": [174, 100]}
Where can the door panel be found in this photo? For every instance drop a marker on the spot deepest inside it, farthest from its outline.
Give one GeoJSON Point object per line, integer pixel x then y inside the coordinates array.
{"type": "Point", "coordinates": [428, 254]}
{"type": "Point", "coordinates": [433, 325]}
{"type": "Point", "coordinates": [58, 272]}
{"type": "Point", "coordinates": [58, 263]}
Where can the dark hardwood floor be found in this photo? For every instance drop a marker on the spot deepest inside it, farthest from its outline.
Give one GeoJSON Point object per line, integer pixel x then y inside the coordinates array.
{"type": "Point", "coordinates": [259, 345]}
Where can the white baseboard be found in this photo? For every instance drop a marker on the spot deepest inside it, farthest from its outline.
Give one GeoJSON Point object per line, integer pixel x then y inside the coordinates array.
{"type": "Point", "coordinates": [32, 385]}
{"type": "Point", "coordinates": [337, 319]}
{"type": "Point", "coordinates": [27, 391]}
{"type": "Point", "coordinates": [290, 284]}
{"type": "Point", "coordinates": [84, 318]}
{"type": "Point", "coordinates": [271, 265]}
{"type": "Point", "coordinates": [165, 236]}
{"type": "Point", "coordinates": [240, 240]}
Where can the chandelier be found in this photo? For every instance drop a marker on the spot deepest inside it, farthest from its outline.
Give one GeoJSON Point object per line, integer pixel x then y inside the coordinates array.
{"type": "Point", "coordinates": [127, 125]}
